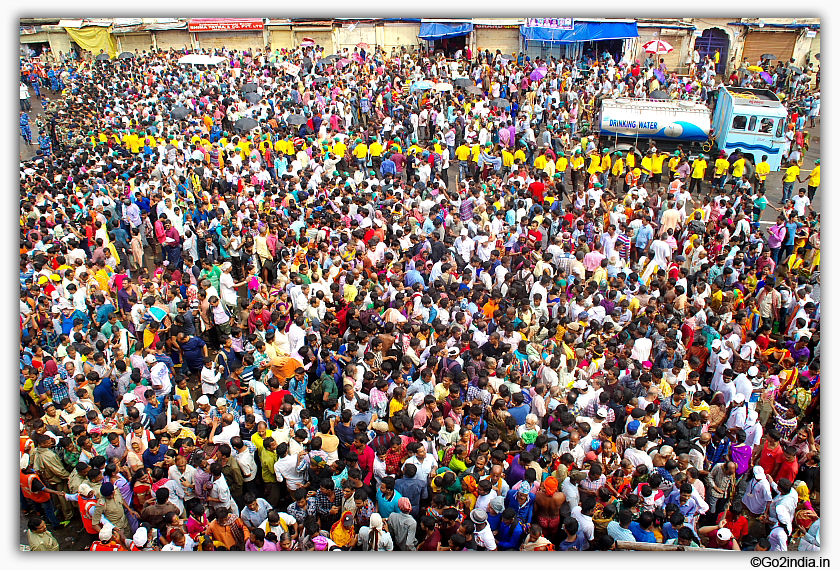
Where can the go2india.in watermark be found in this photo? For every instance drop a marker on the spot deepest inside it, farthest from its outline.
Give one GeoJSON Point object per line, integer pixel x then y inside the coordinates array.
{"type": "Point", "coordinates": [789, 562]}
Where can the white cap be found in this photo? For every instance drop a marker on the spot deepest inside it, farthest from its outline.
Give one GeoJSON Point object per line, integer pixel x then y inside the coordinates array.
{"type": "Point", "coordinates": [129, 397]}
{"type": "Point", "coordinates": [752, 416]}
{"type": "Point", "coordinates": [725, 354]}
{"type": "Point", "coordinates": [141, 536]}
{"type": "Point", "coordinates": [106, 533]}
{"type": "Point", "coordinates": [758, 472]}
{"type": "Point", "coordinates": [724, 534]}
{"type": "Point", "coordinates": [465, 232]}
{"type": "Point", "coordinates": [84, 489]}
{"type": "Point", "coordinates": [716, 343]}
{"type": "Point", "coordinates": [150, 358]}
{"type": "Point", "coordinates": [752, 371]}
{"type": "Point", "coordinates": [739, 398]}
{"type": "Point", "coordinates": [221, 402]}
{"type": "Point", "coordinates": [226, 265]}
{"type": "Point", "coordinates": [601, 413]}
{"type": "Point", "coordinates": [581, 385]}
{"type": "Point", "coordinates": [204, 400]}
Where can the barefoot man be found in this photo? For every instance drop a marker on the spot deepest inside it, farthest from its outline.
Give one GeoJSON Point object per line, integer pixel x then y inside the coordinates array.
{"type": "Point", "coordinates": [547, 505]}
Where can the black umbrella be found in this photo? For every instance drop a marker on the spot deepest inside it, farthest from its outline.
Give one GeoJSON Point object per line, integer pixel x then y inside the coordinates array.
{"type": "Point", "coordinates": [500, 102]}
{"type": "Point", "coordinates": [209, 91]}
{"type": "Point", "coordinates": [252, 98]}
{"type": "Point", "coordinates": [249, 87]}
{"type": "Point", "coordinates": [817, 56]}
{"type": "Point", "coordinates": [321, 80]}
{"type": "Point", "coordinates": [306, 62]}
{"type": "Point", "coordinates": [103, 57]}
{"type": "Point", "coordinates": [126, 55]}
{"type": "Point", "coordinates": [331, 58]}
{"type": "Point", "coordinates": [768, 56]}
{"type": "Point", "coordinates": [244, 125]}
{"type": "Point", "coordinates": [296, 119]}
{"type": "Point", "coordinates": [179, 112]}
{"type": "Point", "coordinates": [474, 89]}
{"type": "Point", "coordinates": [463, 82]}
{"type": "Point", "coordinates": [658, 94]}
{"type": "Point", "coordinates": [795, 69]}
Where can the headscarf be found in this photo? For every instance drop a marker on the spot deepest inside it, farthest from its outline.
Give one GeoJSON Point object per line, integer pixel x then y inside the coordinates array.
{"type": "Point", "coordinates": [469, 483]}
{"type": "Point", "coordinates": [339, 533]}
{"type": "Point", "coordinates": [550, 485]}
{"type": "Point", "coordinates": [50, 369]}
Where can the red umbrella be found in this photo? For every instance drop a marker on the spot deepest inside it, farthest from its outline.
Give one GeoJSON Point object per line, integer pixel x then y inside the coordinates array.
{"type": "Point", "coordinates": [658, 46]}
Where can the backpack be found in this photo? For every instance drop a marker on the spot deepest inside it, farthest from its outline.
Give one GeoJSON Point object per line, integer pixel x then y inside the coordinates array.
{"type": "Point", "coordinates": [318, 388]}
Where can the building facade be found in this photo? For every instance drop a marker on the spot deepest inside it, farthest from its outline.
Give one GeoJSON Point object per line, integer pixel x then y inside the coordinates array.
{"type": "Point", "coordinates": [734, 39]}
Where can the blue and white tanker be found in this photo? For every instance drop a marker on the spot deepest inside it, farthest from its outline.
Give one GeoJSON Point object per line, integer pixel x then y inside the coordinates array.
{"type": "Point", "coordinates": [750, 121]}
{"type": "Point", "coordinates": [678, 121]}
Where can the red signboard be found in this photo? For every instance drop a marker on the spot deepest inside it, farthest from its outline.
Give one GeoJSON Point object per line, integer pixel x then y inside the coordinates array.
{"type": "Point", "coordinates": [225, 24]}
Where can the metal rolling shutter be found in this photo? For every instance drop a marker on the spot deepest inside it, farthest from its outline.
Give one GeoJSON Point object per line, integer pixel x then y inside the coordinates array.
{"type": "Point", "coordinates": [504, 39]}
{"type": "Point", "coordinates": [176, 39]}
{"type": "Point", "coordinates": [282, 39]}
{"type": "Point", "coordinates": [780, 44]}
{"type": "Point", "coordinates": [244, 40]}
{"type": "Point", "coordinates": [321, 38]}
{"type": "Point", "coordinates": [140, 42]}
{"type": "Point", "coordinates": [672, 60]}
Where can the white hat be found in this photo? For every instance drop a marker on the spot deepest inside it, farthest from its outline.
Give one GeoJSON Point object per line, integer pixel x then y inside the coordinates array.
{"type": "Point", "coordinates": [581, 385]}
{"type": "Point", "coordinates": [129, 397]}
{"type": "Point", "coordinates": [724, 354]}
{"type": "Point", "coordinates": [739, 398]}
{"type": "Point", "coordinates": [85, 489]}
{"type": "Point", "coordinates": [418, 399]}
{"type": "Point", "coordinates": [24, 461]}
{"type": "Point", "coordinates": [150, 358]}
{"type": "Point", "coordinates": [716, 343]}
{"type": "Point", "coordinates": [601, 413]}
{"type": "Point", "coordinates": [141, 536]}
{"type": "Point", "coordinates": [202, 401]}
{"type": "Point", "coordinates": [752, 416]}
{"type": "Point", "coordinates": [758, 472]}
{"type": "Point", "coordinates": [226, 265]}
{"type": "Point", "coordinates": [220, 402]}
{"type": "Point", "coordinates": [106, 533]}
{"type": "Point", "coordinates": [465, 232]}
{"type": "Point", "coordinates": [453, 351]}
{"type": "Point", "coordinates": [752, 371]}
{"type": "Point", "coordinates": [724, 534]}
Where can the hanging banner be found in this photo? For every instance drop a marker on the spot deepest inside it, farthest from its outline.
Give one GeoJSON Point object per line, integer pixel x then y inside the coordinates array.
{"type": "Point", "coordinates": [552, 23]}
{"type": "Point", "coordinates": [224, 24]}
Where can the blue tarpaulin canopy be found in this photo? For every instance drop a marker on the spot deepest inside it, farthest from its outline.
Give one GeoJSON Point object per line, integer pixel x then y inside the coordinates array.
{"type": "Point", "coordinates": [582, 32]}
{"type": "Point", "coordinates": [440, 30]}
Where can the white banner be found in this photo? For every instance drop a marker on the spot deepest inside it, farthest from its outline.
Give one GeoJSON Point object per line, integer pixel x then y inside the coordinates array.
{"type": "Point", "coordinates": [553, 23]}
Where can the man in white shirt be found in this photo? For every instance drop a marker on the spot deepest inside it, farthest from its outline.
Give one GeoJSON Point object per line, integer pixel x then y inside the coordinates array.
{"type": "Point", "coordinates": [287, 467]}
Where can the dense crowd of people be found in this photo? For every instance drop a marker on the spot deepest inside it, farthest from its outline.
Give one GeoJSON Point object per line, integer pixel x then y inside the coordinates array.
{"type": "Point", "coordinates": [400, 302]}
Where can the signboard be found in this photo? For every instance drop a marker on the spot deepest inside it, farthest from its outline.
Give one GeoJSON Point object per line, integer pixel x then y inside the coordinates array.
{"type": "Point", "coordinates": [811, 34]}
{"type": "Point", "coordinates": [698, 33]}
{"type": "Point", "coordinates": [289, 68]}
{"type": "Point", "coordinates": [225, 25]}
{"type": "Point", "coordinates": [27, 30]}
{"type": "Point", "coordinates": [553, 23]}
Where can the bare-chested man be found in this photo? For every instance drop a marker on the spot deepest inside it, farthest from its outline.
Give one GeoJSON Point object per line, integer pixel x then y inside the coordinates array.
{"type": "Point", "coordinates": [547, 505]}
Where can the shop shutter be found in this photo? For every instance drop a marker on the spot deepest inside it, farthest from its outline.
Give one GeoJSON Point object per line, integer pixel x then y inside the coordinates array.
{"type": "Point", "coordinates": [399, 35]}
{"type": "Point", "coordinates": [175, 39]}
{"type": "Point", "coordinates": [672, 59]}
{"type": "Point", "coordinates": [321, 38]}
{"type": "Point", "coordinates": [140, 42]}
{"type": "Point", "coordinates": [282, 38]}
{"type": "Point", "coordinates": [780, 44]}
{"type": "Point", "coordinates": [245, 40]}
{"type": "Point", "coordinates": [504, 39]}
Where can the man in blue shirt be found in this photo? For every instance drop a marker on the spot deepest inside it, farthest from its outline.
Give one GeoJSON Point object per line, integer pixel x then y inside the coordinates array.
{"type": "Point", "coordinates": [643, 237]}
{"type": "Point", "coordinates": [388, 166]}
{"type": "Point", "coordinates": [792, 226]}
{"type": "Point", "coordinates": [685, 502]}
{"type": "Point", "coordinates": [519, 410]}
{"type": "Point", "coordinates": [154, 455]}
{"type": "Point", "coordinates": [387, 497]}
{"type": "Point", "coordinates": [642, 530]}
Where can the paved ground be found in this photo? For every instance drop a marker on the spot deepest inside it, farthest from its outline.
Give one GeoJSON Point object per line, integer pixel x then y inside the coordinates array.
{"type": "Point", "coordinates": [74, 537]}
